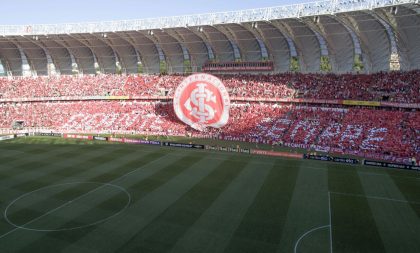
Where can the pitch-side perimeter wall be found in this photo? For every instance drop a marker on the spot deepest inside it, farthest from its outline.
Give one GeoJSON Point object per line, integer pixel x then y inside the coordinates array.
{"type": "Point", "coordinates": [235, 99]}
{"type": "Point", "coordinates": [325, 158]}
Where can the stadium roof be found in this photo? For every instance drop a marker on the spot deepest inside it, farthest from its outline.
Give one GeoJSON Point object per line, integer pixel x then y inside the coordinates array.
{"type": "Point", "coordinates": [385, 34]}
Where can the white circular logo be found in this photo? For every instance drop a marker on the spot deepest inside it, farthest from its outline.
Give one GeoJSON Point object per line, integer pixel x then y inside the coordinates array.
{"type": "Point", "coordinates": [201, 101]}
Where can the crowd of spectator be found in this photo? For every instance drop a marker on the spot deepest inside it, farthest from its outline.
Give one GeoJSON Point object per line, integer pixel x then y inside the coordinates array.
{"type": "Point", "coordinates": [359, 131]}
{"type": "Point", "coordinates": [400, 87]}
{"type": "Point", "coordinates": [343, 130]}
{"type": "Point", "coordinates": [57, 86]}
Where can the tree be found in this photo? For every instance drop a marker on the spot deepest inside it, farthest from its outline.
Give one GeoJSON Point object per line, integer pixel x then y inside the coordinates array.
{"type": "Point", "coordinates": [325, 64]}
{"type": "Point", "coordinates": [74, 69]}
{"type": "Point", "coordinates": [97, 68]}
{"type": "Point", "coordinates": [163, 67]}
{"type": "Point", "coordinates": [358, 63]}
{"type": "Point", "coordinates": [294, 64]}
{"type": "Point", "coordinates": [187, 66]}
{"type": "Point", "coordinates": [140, 68]}
{"type": "Point", "coordinates": [118, 68]}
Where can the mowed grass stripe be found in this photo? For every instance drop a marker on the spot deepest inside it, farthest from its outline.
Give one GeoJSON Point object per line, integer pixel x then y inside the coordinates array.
{"type": "Point", "coordinates": [24, 161]}
{"type": "Point", "coordinates": [261, 228]}
{"type": "Point", "coordinates": [33, 152]}
{"type": "Point", "coordinates": [114, 163]}
{"type": "Point", "coordinates": [134, 161]}
{"type": "Point", "coordinates": [62, 195]}
{"type": "Point", "coordinates": [32, 149]}
{"type": "Point", "coordinates": [85, 210]}
{"type": "Point", "coordinates": [213, 230]}
{"type": "Point", "coordinates": [84, 175]}
{"type": "Point", "coordinates": [151, 205]}
{"type": "Point", "coordinates": [394, 220]}
{"type": "Point", "coordinates": [38, 239]}
{"type": "Point", "coordinates": [93, 158]}
{"type": "Point", "coordinates": [48, 245]}
{"type": "Point", "coordinates": [353, 225]}
{"type": "Point", "coordinates": [110, 201]}
{"type": "Point", "coordinates": [162, 234]}
{"type": "Point", "coordinates": [19, 152]}
{"type": "Point", "coordinates": [28, 179]}
{"type": "Point", "coordinates": [53, 169]}
{"type": "Point", "coordinates": [143, 187]}
{"type": "Point", "coordinates": [308, 209]}
{"type": "Point", "coordinates": [28, 182]}
{"type": "Point", "coordinates": [32, 181]}
{"type": "Point", "coordinates": [45, 164]}
{"type": "Point", "coordinates": [398, 224]}
{"type": "Point", "coordinates": [33, 206]}
{"type": "Point", "coordinates": [410, 189]}
{"type": "Point", "coordinates": [125, 161]}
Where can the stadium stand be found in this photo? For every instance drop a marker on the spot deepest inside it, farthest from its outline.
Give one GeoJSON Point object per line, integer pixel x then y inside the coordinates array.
{"type": "Point", "coordinates": [330, 80]}
{"type": "Point", "coordinates": [400, 87]}
{"type": "Point", "coordinates": [381, 134]}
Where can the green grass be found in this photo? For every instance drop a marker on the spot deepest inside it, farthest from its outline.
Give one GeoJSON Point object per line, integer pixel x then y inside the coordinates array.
{"type": "Point", "coordinates": [154, 199]}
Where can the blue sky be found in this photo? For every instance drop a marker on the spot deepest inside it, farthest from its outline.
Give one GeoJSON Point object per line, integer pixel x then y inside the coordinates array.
{"type": "Point", "coordinates": [18, 12]}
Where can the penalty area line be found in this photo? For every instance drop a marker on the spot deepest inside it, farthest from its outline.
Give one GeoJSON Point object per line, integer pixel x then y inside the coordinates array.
{"type": "Point", "coordinates": [375, 197]}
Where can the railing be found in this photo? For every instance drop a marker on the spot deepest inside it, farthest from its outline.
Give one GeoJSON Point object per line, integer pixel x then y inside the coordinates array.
{"type": "Point", "coordinates": [251, 15]}
{"type": "Point", "coordinates": [238, 66]}
{"type": "Point", "coordinates": [232, 98]}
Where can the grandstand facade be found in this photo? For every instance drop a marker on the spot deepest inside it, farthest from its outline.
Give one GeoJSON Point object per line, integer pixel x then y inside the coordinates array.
{"type": "Point", "coordinates": [361, 107]}
{"type": "Point", "coordinates": [340, 36]}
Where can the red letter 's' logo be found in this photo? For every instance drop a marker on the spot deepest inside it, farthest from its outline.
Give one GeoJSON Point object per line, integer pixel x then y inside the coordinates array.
{"type": "Point", "coordinates": [201, 100]}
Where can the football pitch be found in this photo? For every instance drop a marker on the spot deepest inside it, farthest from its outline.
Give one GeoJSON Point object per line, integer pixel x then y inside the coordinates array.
{"type": "Point", "coordinates": [134, 198]}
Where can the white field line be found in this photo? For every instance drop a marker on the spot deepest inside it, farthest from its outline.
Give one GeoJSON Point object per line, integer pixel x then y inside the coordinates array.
{"type": "Point", "coordinates": [376, 197]}
{"type": "Point", "coordinates": [81, 196]}
{"type": "Point", "coordinates": [307, 233]}
{"type": "Point", "coordinates": [68, 202]}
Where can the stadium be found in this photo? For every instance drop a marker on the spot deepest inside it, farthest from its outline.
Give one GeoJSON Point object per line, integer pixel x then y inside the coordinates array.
{"type": "Point", "coordinates": [286, 129]}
